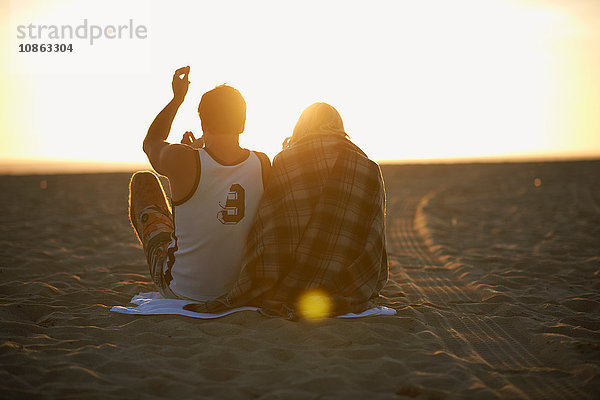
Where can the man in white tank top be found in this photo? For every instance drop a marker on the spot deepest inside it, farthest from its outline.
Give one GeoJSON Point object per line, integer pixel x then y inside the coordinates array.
{"type": "Point", "coordinates": [195, 250]}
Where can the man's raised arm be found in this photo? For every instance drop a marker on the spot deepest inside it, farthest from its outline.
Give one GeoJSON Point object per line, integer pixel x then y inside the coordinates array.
{"type": "Point", "coordinates": [155, 141]}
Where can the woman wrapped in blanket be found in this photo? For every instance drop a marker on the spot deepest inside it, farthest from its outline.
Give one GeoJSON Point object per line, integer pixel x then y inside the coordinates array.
{"type": "Point", "coordinates": [317, 245]}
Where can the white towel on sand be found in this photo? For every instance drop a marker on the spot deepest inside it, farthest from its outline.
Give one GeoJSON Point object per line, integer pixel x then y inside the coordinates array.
{"type": "Point", "coordinates": [153, 303]}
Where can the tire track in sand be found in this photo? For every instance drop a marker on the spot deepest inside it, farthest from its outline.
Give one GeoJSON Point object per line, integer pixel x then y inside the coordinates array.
{"type": "Point", "coordinates": [497, 352]}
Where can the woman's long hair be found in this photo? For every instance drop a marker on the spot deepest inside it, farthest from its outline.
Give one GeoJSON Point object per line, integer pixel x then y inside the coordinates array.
{"type": "Point", "coordinates": [316, 119]}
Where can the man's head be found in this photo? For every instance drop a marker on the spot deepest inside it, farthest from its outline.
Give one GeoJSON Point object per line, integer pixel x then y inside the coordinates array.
{"type": "Point", "coordinates": [222, 111]}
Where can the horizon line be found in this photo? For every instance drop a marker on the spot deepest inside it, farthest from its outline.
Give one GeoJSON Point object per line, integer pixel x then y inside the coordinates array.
{"type": "Point", "coordinates": [50, 166]}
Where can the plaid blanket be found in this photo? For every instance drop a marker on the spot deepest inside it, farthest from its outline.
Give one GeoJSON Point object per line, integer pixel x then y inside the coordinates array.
{"type": "Point", "coordinates": [320, 225]}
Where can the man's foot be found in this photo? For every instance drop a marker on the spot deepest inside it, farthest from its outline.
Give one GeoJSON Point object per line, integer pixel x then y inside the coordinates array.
{"type": "Point", "coordinates": [144, 190]}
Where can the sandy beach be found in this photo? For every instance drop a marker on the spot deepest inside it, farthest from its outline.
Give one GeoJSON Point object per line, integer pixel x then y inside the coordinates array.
{"type": "Point", "coordinates": [494, 273]}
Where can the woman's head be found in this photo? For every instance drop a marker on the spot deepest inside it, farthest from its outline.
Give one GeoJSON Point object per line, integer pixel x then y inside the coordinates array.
{"type": "Point", "coordinates": [317, 119]}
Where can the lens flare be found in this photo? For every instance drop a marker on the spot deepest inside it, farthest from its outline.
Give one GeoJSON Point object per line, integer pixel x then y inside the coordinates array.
{"type": "Point", "coordinates": [314, 305]}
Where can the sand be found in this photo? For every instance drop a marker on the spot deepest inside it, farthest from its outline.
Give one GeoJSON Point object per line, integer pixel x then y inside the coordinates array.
{"type": "Point", "coordinates": [494, 275]}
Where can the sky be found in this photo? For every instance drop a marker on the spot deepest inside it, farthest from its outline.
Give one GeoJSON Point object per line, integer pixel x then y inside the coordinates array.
{"type": "Point", "coordinates": [412, 80]}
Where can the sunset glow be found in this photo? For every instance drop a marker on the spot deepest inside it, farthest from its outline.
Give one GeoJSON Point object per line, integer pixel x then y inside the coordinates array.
{"type": "Point", "coordinates": [411, 80]}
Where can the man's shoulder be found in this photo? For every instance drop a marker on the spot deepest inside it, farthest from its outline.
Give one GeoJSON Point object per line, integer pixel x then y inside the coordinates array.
{"type": "Point", "coordinates": [265, 166]}
{"type": "Point", "coordinates": [176, 153]}
{"type": "Point", "coordinates": [177, 158]}
{"type": "Point", "coordinates": [264, 159]}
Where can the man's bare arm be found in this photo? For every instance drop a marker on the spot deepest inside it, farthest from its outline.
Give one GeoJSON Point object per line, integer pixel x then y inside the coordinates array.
{"type": "Point", "coordinates": [155, 141]}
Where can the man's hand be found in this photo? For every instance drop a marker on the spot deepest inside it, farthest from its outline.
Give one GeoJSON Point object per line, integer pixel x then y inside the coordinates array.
{"type": "Point", "coordinates": [155, 141]}
{"type": "Point", "coordinates": [190, 140]}
{"type": "Point", "coordinates": [180, 84]}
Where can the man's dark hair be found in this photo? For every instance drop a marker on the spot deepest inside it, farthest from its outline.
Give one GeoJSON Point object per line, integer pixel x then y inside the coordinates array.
{"type": "Point", "coordinates": [222, 110]}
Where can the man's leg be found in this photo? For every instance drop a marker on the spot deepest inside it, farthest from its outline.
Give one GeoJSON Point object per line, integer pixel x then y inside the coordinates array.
{"type": "Point", "coordinates": [145, 190]}
{"type": "Point", "coordinates": [151, 217]}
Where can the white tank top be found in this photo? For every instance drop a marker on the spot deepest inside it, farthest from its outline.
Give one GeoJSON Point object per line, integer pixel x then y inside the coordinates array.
{"type": "Point", "coordinates": [211, 226]}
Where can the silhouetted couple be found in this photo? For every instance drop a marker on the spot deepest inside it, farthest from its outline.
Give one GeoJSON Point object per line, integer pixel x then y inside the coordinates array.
{"type": "Point", "coordinates": [243, 232]}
